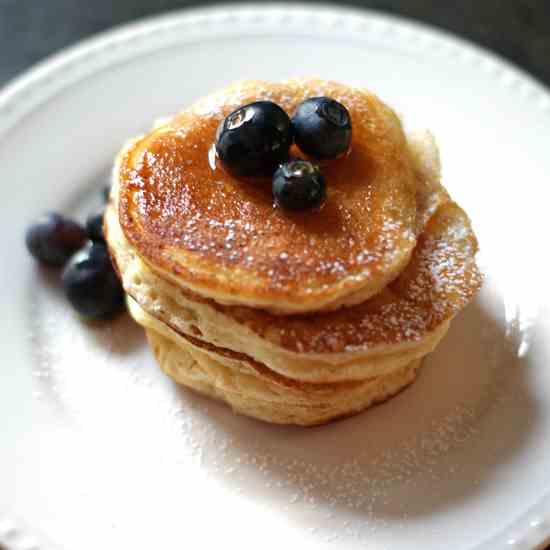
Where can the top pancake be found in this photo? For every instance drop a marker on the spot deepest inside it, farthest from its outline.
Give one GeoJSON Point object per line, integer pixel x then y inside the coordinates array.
{"type": "Point", "coordinates": [222, 237]}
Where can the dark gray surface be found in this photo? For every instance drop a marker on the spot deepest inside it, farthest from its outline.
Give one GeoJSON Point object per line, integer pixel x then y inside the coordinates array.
{"type": "Point", "coordinates": [32, 29]}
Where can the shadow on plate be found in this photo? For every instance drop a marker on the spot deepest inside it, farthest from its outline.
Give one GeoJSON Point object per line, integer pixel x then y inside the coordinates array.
{"type": "Point", "coordinates": [432, 447]}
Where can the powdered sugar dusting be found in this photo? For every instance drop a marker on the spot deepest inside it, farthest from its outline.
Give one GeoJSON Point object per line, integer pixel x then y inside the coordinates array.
{"type": "Point", "coordinates": [365, 488]}
{"type": "Point", "coordinates": [440, 280]}
{"type": "Point", "coordinates": [340, 483]}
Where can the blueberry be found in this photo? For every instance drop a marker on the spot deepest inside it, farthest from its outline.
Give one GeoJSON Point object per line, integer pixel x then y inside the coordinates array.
{"type": "Point", "coordinates": [94, 226]}
{"type": "Point", "coordinates": [254, 140]}
{"type": "Point", "coordinates": [322, 127]}
{"type": "Point", "coordinates": [91, 284]}
{"type": "Point", "coordinates": [53, 239]}
{"type": "Point", "coordinates": [298, 185]}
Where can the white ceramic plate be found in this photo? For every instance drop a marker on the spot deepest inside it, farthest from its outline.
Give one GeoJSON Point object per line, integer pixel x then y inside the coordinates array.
{"type": "Point", "coordinates": [99, 450]}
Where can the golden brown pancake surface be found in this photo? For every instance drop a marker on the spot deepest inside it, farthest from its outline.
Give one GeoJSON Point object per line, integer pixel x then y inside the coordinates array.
{"type": "Point", "coordinates": [223, 238]}
{"type": "Point", "coordinates": [440, 280]}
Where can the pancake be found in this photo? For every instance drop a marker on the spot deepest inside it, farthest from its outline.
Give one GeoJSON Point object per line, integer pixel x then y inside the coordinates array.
{"type": "Point", "coordinates": [259, 398]}
{"type": "Point", "coordinates": [241, 361]}
{"type": "Point", "coordinates": [403, 322]}
{"type": "Point", "coordinates": [223, 239]}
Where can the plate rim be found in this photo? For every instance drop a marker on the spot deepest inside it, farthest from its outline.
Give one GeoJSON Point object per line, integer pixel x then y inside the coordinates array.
{"type": "Point", "coordinates": [55, 73]}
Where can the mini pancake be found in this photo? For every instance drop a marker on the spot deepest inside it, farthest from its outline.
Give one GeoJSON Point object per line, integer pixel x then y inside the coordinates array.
{"type": "Point", "coordinates": [404, 322]}
{"type": "Point", "coordinates": [223, 239]}
{"type": "Point", "coordinates": [259, 398]}
{"type": "Point", "coordinates": [238, 360]}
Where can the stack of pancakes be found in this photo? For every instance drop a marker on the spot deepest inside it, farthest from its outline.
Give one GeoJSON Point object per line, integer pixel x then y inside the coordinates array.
{"type": "Point", "coordinates": [290, 317]}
